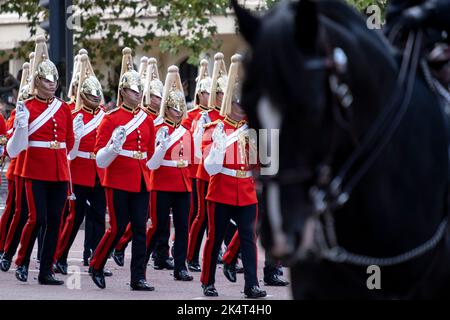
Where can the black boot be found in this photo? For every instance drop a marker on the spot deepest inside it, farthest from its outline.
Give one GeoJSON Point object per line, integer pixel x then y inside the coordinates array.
{"type": "Point", "coordinates": [98, 277]}
{"type": "Point", "coordinates": [141, 285]}
{"type": "Point", "coordinates": [194, 266]}
{"type": "Point", "coordinates": [182, 275]}
{"type": "Point", "coordinates": [119, 257]}
{"type": "Point", "coordinates": [22, 273]}
{"type": "Point", "coordinates": [275, 280]}
{"type": "Point", "coordinates": [254, 292]}
{"type": "Point", "coordinates": [60, 267]}
{"type": "Point", "coordinates": [210, 290]}
{"type": "Point", "coordinates": [107, 273]}
{"type": "Point", "coordinates": [49, 280]}
{"type": "Point", "coordinates": [166, 263]}
{"type": "Point", "coordinates": [5, 264]}
{"type": "Point", "coordinates": [229, 270]}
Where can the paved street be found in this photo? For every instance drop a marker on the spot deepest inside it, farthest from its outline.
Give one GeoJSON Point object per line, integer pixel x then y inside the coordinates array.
{"type": "Point", "coordinates": [82, 288]}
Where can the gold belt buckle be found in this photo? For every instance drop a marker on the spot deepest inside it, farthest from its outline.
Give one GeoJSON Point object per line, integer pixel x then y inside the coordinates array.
{"type": "Point", "coordinates": [241, 174]}
{"type": "Point", "coordinates": [55, 145]}
{"type": "Point", "coordinates": [181, 164]}
{"type": "Point", "coordinates": [92, 155]}
{"type": "Point", "coordinates": [138, 155]}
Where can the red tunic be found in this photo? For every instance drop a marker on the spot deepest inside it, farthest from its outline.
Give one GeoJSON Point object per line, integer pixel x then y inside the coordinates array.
{"type": "Point", "coordinates": [45, 163]}
{"type": "Point", "coordinates": [214, 115]}
{"type": "Point", "coordinates": [84, 171]}
{"type": "Point", "coordinates": [190, 123]}
{"type": "Point", "coordinates": [12, 164]}
{"type": "Point", "coordinates": [228, 189]}
{"type": "Point", "coordinates": [172, 178]}
{"type": "Point", "coordinates": [126, 173]}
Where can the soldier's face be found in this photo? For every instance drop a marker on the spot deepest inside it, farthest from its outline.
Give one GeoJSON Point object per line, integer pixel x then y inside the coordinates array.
{"type": "Point", "coordinates": [219, 97]}
{"type": "Point", "coordinates": [131, 98]}
{"type": "Point", "coordinates": [90, 101]}
{"type": "Point", "coordinates": [174, 115]}
{"type": "Point", "coordinates": [237, 112]}
{"type": "Point", "coordinates": [203, 98]}
{"type": "Point", "coordinates": [46, 89]}
{"type": "Point", "coordinates": [155, 102]}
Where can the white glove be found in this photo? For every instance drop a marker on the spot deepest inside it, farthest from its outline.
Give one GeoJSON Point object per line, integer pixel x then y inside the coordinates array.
{"type": "Point", "coordinates": [163, 138]}
{"type": "Point", "coordinates": [162, 143]}
{"type": "Point", "coordinates": [22, 116]}
{"type": "Point", "coordinates": [78, 126]}
{"type": "Point", "coordinates": [214, 161]}
{"type": "Point", "coordinates": [198, 134]}
{"type": "Point", "coordinates": [118, 138]}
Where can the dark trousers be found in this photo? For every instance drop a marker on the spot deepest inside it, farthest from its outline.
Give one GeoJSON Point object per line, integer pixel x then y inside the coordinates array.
{"type": "Point", "coordinates": [46, 200]}
{"type": "Point", "coordinates": [8, 214]}
{"type": "Point", "coordinates": [125, 207]}
{"type": "Point", "coordinates": [162, 247]}
{"type": "Point", "coordinates": [200, 223]}
{"type": "Point", "coordinates": [78, 210]}
{"type": "Point", "coordinates": [161, 203]}
{"type": "Point", "coordinates": [219, 216]}
{"type": "Point", "coordinates": [18, 221]}
{"type": "Point", "coordinates": [94, 229]}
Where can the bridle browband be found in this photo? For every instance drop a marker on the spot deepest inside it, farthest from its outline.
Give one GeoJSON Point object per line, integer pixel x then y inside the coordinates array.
{"type": "Point", "coordinates": [329, 193]}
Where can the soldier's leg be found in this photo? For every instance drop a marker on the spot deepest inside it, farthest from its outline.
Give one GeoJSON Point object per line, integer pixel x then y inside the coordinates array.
{"type": "Point", "coordinates": [138, 215]}
{"type": "Point", "coordinates": [56, 200]}
{"type": "Point", "coordinates": [117, 202]}
{"type": "Point", "coordinates": [19, 220]}
{"type": "Point", "coordinates": [97, 212]}
{"type": "Point", "coordinates": [8, 214]}
{"type": "Point", "coordinates": [88, 233]}
{"type": "Point", "coordinates": [218, 217]}
{"type": "Point", "coordinates": [159, 215]}
{"type": "Point", "coordinates": [36, 192]}
{"type": "Point", "coordinates": [77, 211]}
{"type": "Point", "coordinates": [246, 219]}
{"type": "Point", "coordinates": [180, 210]}
{"type": "Point", "coordinates": [161, 252]}
{"type": "Point", "coordinates": [199, 225]}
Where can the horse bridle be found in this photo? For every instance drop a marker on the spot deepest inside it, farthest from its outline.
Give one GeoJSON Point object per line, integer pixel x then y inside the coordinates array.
{"type": "Point", "coordinates": [329, 193]}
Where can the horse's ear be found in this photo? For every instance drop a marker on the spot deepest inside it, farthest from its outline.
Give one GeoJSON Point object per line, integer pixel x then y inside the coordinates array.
{"type": "Point", "coordinates": [248, 23]}
{"type": "Point", "coordinates": [307, 25]}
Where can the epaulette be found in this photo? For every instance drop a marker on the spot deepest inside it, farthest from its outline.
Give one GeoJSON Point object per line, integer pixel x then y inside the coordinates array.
{"type": "Point", "coordinates": [193, 109]}
{"type": "Point", "coordinates": [113, 110]}
{"type": "Point", "coordinates": [213, 123]}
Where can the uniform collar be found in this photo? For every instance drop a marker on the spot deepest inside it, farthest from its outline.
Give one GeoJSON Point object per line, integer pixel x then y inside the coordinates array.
{"type": "Point", "coordinates": [47, 101]}
{"type": "Point", "coordinates": [129, 109]}
{"type": "Point", "coordinates": [86, 109]}
{"type": "Point", "coordinates": [171, 123]}
{"type": "Point", "coordinates": [202, 107]}
{"type": "Point", "coordinates": [234, 123]}
{"type": "Point", "coordinates": [217, 108]}
{"type": "Point", "coordinates": [153, 112]}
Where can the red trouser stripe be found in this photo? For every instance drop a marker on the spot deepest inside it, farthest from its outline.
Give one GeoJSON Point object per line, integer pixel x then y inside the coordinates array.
{"type": "Point", "coordinates": [65, 230]}
{"type": "Point", "coordinates": [19, 185]}
{"type": "Point", "coordinates": [199, 219]}
{"type": "Point", "coordinates": [153, 217]}
{"type": "Point", "coordinates": [29, 226]}
{"type": "Point", "coordinates": [126, 238]}
{"type": "Point", "coordinates": [6, 219]}
{"type": "Point", "coordinates": [209, 245]}
{"type": "Point", "coordinates": [191, 209]}
{"type": "Point", "coordinates": [233, 249]}
{"type": "Point", "coordinates": [101, 253]}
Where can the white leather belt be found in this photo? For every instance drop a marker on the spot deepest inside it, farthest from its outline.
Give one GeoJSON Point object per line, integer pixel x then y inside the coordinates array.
{"type": "Point", "coordinates": [47, 144]}
{"type": "Point", "coordinates": [175, 163]}
{"type": "Point", "coordinates": [134, 154]}
{"type": "Point", "coordinates": [86, 155]}
{"type": "Point", "coordinates": [236, 173]}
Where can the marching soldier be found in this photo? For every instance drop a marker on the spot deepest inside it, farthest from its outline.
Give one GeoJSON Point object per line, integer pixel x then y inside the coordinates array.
{"type": "Point", "coordinates": [231, 191]}
{"type": "Point", "coordinates": [202, 92]}
{"type": "Point", "coordinates": [170, 182]}
{"type": "Point", "coordinates": [124, 142]}
{"type": "Point", "coordinates": [216, 90]}
{"type": "Point", "coordinates": [43, 128]}
{"type": "Point", "coordinates": [86, 176]}
{"type": "Point", "coordinates": [151, 101]}
{"type": "Point", "coordinates": [13, 173]}
{"type": "Point", "coordinates": [8, 212]}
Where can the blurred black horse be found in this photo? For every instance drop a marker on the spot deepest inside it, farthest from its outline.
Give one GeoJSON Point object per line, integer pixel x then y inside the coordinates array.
{"type": "Point", "coordinates": [363, 168]}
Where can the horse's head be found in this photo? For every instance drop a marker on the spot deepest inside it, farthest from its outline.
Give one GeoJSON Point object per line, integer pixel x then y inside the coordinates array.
{"type": "Point", "coordinates": [288, 69]}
